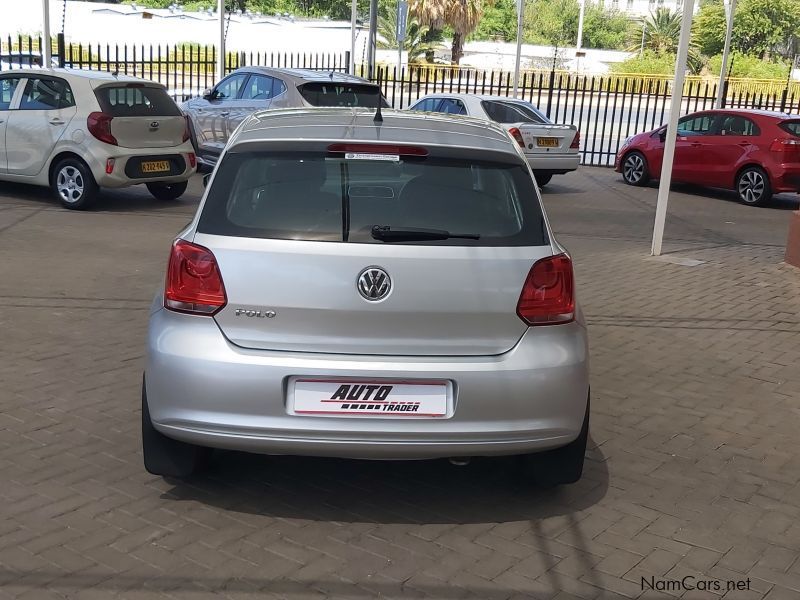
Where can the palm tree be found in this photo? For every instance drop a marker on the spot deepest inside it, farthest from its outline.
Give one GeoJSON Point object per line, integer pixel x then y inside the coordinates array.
{"type": "Point", "coordinates": [660, 34]}
{"type": "Point", "coordinates": [462, 15]}
{"type": "Point", "coordinates": [415, 43]}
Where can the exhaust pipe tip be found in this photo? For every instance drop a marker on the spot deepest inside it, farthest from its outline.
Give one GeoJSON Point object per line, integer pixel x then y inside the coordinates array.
{"type": "Point", "coordinates": [460, 461]}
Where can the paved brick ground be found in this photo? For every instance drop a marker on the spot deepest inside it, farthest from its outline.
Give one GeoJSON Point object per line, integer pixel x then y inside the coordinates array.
{"type": "Point", "coordinates": [693, 467]}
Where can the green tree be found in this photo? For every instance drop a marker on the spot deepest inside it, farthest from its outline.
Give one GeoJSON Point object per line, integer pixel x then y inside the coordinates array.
{"type": "Point", "coordinates": [414, 42]}
{"type": "Point", "coordinates": [659, 35]}
{"type": "Point", "coordinates": [499, 22]}
{"type": "Point", "coordinates": [555, 22]}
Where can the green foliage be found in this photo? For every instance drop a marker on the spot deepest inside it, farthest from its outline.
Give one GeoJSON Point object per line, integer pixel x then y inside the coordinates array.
{"type": "Point", "coordinates": [415, 42]}
{"type": "Point", "coordinates": [760, 27]}
{"type": "Point", "coordinates": [659, 35]}
{"type": "Point", "coordinates": [555, 22]}
{"type": "Point", "coordinates": [499, 22]}
{"type": "Point", "coordinates": [750, 67]}
{"type": "Point", "coordinates": [649, 63]}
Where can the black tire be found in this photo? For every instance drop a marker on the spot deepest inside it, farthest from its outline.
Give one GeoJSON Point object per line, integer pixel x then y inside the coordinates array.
{"type": "Point", "coordinates": [73, 184]}
{"type": "Point", "coordinates": [542, 179]}
{"type": "Point", "coordinates": [167, 191]}
{"type": "Point", "coordinates": [635, 170]}
{"type": "Point", "coordinates": [165, 456]}
{"type": "Point", "coordinates": [753, 187]}
{"type": "Point", "coordinates": [561, 465]}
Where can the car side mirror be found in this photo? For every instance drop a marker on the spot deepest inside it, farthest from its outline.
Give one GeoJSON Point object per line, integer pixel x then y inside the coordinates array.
{"type": "Point", "coordinates": [208, 94]}
{"type": "Point", "coordinates": [206, 178]}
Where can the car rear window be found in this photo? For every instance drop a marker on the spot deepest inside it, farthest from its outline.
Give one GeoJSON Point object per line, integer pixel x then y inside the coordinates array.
{"type": "Point", "coordinates": [340, 94]}
{"type": "Point", "coordinates": [136, 101]}
{"type": "Point", "coordinates": [337, 197]}
{"type": "Point", "coordinates": [792, 127]}
{"type": "Point", "coordinates": [511, 112]}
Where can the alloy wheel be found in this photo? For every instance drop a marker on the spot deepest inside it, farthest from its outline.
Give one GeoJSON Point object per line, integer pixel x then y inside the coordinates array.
{"type": "Point", "coordinates": [633, 170]}
{"type": "Point", "coordinates": [70, 184]}
{"type": "Point", "coordinates": [751, 187]}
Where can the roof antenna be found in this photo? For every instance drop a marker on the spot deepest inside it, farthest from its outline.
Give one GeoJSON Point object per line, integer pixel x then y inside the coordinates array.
{"type": "Point", "coordinates": [378, 115]}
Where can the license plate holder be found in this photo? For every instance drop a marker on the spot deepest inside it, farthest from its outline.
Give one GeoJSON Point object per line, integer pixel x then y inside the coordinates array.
{"type": "Point", "coordinates": [547, 142]}
{"type": "Point", "coordinates": [155, 166]}
{"type": "Point", "coordinates": [370, 398]}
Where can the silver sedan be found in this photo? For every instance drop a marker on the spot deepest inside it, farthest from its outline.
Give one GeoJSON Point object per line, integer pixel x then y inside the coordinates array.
{"type": "Point", "coordinates": [379, 288]}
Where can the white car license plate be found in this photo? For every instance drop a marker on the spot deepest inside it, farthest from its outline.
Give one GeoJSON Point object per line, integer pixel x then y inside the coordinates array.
{"type": "Point", "coordinates": [380, 398]}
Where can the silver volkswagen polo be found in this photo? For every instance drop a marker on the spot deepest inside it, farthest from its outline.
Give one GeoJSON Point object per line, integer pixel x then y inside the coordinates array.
{"type": "Point", "coordinates": [365, 286]}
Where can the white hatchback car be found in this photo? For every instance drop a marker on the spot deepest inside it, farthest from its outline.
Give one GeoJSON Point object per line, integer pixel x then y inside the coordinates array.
{"type": "Point", "coordinates": [76, 131]}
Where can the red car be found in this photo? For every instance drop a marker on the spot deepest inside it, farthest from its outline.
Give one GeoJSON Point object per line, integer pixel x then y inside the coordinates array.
{"type": "Point", "coordinates": [756, 153]}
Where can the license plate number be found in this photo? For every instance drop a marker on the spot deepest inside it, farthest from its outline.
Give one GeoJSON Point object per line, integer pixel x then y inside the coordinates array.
{"type": "Point", "coordinates": [547, 142]}
{"type": "Point", "coordinates": [371, 399]}
{"type": "Point", "coordinates": [155, 166]}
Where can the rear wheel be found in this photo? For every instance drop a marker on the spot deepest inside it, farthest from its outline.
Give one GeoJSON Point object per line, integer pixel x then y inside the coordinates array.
{"type": "Point", "coordinates": [167, 191]}
{"type": "Point", "coordinates": [560, 465]}
{"type": "Point", "coordinates": [634, 169]}
{"type": "Point", "coordinates": [542, 179]}
{"type": "Point", "coordinates": [753, 187]}
{"type": "Point", "coordinates": [73, 184]}
{"type": "Point", "coordinates": [165, 456]}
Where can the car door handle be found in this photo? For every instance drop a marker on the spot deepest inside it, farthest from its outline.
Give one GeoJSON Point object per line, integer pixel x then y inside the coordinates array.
{"type": "Point", "coordinates": [696, 144]}
{"type": "Point", "coordinates": [56, 121]}
{"type": "Point", "coordinates": [224, 113]}
{"type": "Point", "coordinates": [744, 143]}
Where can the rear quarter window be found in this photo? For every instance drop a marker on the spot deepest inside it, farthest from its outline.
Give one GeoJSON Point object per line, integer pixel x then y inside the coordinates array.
{"type": "Point", "coordinates": [792, 127]}
{"type": "Point", "coordinates": [136, 101]}
{"type": "Point", "coordinates": [328, 197]}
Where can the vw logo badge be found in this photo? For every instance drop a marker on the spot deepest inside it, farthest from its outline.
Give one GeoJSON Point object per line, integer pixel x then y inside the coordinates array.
{"type": "Point", "coordinates": [374, 284]}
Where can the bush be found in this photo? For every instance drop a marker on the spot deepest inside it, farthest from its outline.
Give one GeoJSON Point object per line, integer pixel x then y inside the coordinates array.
{"type": "Point", "coordinates": [750, 67]}
{"type": "Point", "coordinates": [648, 63]}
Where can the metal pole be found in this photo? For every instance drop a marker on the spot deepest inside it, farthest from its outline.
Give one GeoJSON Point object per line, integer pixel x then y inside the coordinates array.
{"type": "Point", "coordinates": [580, 25]}
{"type": "Point", "coordinates": [730, 7]}
{"type": "Point", "coordinates": [353, 13]}
{"type": "Point", "coordinates": [221, 54]}
{"type": "Point", "coordinates": [47, 50]}
{"type": "Point", "coordinates": [672, 128]}
{"type": "Point", "coordinates": [644, 28]}
{"type": "Point", "coordinates": [520, 5]}
{"type": "Point", "coordinates": [373, 28]}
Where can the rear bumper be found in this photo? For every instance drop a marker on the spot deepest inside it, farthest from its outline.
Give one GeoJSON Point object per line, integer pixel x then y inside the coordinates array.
{"type": "Point", "coordinates": [554, 163]}
{"type": "Point", "coordinates": [786, 179]}
{"type": "Point", "coordinates": [100, 153]}
{"type": "Point", "coordinates": [204, 390]}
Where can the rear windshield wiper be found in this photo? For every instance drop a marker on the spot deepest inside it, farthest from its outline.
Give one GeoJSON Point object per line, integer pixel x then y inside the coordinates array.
{"type": "Point", "coordinates": [385, 233]}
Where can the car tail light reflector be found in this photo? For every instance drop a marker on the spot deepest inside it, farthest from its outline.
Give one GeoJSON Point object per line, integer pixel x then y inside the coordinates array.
{"type": "Point", "coordinates": [379, 149]}
{"type": "Point", "coordinates": [548, 295]}
{"type": "Point", "coordinates": [789, 147]}
{"type": "Point", "coordinates": [194, 284]}
{"type": "Point", "coordinates": [110, 165]}
{"type": "Point", "coordinates": [576, 143]}
{"type": "Point", "coordinates": [517, 135]}
{"type": "Point", "coordinates": [186, 133]}
{"type": "Point", "coordinates": [99, 125]}
{"type": "Point", "coordinates": [192, 160]}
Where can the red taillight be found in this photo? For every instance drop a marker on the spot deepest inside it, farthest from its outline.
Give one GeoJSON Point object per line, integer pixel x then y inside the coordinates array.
{"type": "Point", "coordinates": [192, 160]}
{"type": "Point", "coordinates": [194, 283]}
{"type": "Point", "coordinates": [576, 143]}
{"type": "Point", "coordinates": [99, 125]}
{"type": "Point", "coordinates": [186, 133]}
{"type": "Point", "coordinates": [548, 296]}
{"type": "Point", "coordinates": [788, 147]}
{"type": "Point", "coordinates": [110, 165]}
{"type": "Point", "coordinates": [517, 135]}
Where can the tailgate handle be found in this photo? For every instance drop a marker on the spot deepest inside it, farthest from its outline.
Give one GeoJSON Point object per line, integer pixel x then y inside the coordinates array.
{"type": "Point", "coordinates": [225, 113]}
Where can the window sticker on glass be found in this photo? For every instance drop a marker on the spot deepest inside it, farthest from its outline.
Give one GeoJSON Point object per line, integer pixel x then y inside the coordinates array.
{"type": "Point", "coordinates": [364, 156]}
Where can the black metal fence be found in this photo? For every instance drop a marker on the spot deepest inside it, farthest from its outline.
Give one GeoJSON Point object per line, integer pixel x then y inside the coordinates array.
{"type": "Point", "coordinates": [607, 109]}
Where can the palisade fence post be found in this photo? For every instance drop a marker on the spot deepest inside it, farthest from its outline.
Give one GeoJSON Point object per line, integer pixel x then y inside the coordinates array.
{"type": "Point", "coordinates": [60, 49]}
{"type": "Point", "coordinates": [550, 90]}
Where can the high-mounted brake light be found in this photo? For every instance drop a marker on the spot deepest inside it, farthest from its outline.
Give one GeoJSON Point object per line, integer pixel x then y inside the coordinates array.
{"type": "Point", "coordinates": [99, 125]}
{"type": "Point", "coordinates": [548, 295]}
{"type": "Point", "coordinates": [517, 135]}
{"type": "Point", "coordinates": [379, 149]}
{"type": "Point", "coordinates": [576, 143]}
{"type": "Point", "coordinates": [194, 284]}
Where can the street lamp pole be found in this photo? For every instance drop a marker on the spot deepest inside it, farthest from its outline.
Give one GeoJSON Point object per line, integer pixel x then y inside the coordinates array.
{"type": "Point", "coordinates": [730, 7]}
{"type": "Point", "coordinates": [353, 14]}
{"type": "Point", "coordinates": [520, 4]}
{"type": "Point", "coordinates": [47, 50]}
{"type": "Point", "coordinates": [579, 45]}
{"type": "Point", "coordinates": [221, 55]}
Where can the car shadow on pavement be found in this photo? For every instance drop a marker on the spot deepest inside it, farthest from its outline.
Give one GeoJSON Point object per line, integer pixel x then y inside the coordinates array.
{"type": "Point", "coordinates": [779, 201]}
{"type": "Point", "coordinates": [488, 490]}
